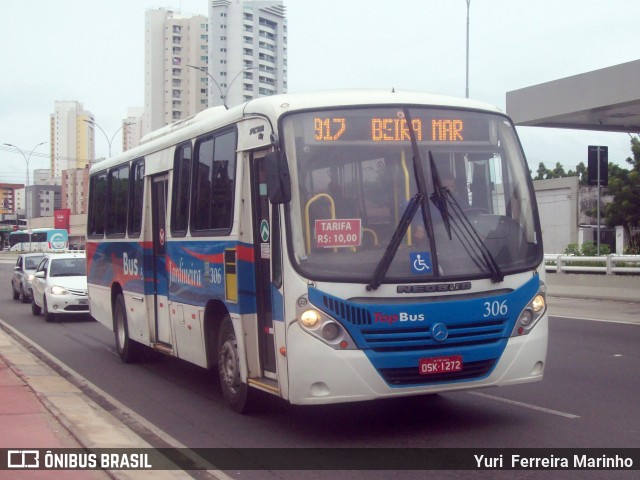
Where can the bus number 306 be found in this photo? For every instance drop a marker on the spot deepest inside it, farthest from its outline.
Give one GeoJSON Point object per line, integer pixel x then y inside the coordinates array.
{"type": "Point", "coordinates": [495, 308]}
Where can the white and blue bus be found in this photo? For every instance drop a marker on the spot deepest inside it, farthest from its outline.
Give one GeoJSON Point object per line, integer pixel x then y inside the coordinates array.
{"type": "Point", "coordinates": [326, 247]}
{"type": "Point", "coordinates": [39, 240]}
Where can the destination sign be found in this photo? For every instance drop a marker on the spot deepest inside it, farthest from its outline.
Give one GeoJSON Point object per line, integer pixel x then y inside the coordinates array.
{"type": "Point", "coordinates": [389, 129]}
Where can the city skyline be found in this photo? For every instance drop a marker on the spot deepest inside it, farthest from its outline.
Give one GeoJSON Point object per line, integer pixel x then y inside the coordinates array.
{"type": "Point", "coordinates": [94, 54]}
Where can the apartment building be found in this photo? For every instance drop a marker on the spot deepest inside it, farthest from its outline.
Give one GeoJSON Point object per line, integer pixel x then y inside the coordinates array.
{"type": "Point", "coordinates": [173, 89]}
{"type": "Point", "coordinates": [132, 128]}
{"type": "Point", "coordinates": [74, 188]}
{"type": "Point", "coordinates": [72, 137]}
{"type": "Point", "coordinates": [8, 200]}
{"type": "Point", "coordinates": [247, 50]}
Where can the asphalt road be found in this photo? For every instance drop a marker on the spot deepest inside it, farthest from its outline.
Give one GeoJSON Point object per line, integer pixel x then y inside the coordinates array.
{"type": "Point", "coordinates": [589, 398]}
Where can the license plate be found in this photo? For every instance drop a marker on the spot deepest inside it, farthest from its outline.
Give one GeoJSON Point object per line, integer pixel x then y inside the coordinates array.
{"type": "Point", "coordinates": [83, 302]}
{"type": "Point", "coordinates": [430, 366]}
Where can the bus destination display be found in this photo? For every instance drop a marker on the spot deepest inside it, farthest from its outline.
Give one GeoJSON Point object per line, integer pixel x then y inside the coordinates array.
{"type": "Point", "coordinates": [337, 129]}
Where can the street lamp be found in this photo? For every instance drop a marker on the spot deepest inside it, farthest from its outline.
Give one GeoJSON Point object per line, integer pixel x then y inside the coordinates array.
{"type": "Point", "coordinates": [26, 195]}
{"type": "Point", "coordinates": [109, 140]}
{"type": "Point", "coordinates": [223, 95]}
{"type": "Point", "coordinates": [467, 87]}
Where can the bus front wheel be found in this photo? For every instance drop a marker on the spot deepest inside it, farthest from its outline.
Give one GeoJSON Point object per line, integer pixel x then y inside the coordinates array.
{"type": "Point", "coordinates": [234, 390]}
{"type": "Point", "coordinates": [128, 350]}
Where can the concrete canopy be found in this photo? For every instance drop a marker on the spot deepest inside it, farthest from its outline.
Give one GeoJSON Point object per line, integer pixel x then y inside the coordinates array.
{"type": "Point", "coordinates": [605, 100]}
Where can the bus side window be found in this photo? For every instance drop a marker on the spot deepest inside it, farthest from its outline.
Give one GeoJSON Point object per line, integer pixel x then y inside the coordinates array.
{"type": "Point", "coordinates": [97, 205]}
{"type": "Point", "coordinates": [136, 192]}
{"type": "Point", "coordinates": [181, 189]}
{"type": "Point", "coordinates": [212, 202]}
{"type": "Point", "coordinates": [118, 200]}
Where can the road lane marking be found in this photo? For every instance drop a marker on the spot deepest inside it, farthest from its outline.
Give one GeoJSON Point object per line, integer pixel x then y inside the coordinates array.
{"type": "Point", "coordinates": [624, 322]}
{"type": "Point", "coordinates": [525, 405]}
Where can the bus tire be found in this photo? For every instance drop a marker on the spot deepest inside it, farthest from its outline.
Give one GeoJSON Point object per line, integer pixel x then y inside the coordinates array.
{"type": "Point", "coordinates": [128, 350]}
{"type": "Point", "coordinates": [234, 390]}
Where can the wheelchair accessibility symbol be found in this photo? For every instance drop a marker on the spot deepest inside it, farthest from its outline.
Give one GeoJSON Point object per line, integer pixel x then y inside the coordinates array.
{"type": "Point", "coordinates": [420, 262]}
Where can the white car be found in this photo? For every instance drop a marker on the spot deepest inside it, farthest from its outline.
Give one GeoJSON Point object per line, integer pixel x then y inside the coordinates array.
{"type": "Point", "coordinates": [60, 286]}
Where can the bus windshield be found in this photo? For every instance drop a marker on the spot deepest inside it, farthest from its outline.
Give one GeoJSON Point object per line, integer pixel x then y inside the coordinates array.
{"type": "Point", "coordinates": [354, 180]}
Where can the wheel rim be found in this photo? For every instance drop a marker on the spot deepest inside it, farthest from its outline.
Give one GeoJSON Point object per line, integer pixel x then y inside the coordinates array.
{"type": "Point", "coordinates": [229, 365]}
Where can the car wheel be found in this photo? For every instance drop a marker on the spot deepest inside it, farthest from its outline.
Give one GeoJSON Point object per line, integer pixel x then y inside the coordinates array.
{"type": "Point", "coordinates": [235, 392]}
{"type": "Point", "coordinates": [129, 350]}
{"type": "Point", "coordinates": [48, 316]}
{"type": "Point", "coordinates": [23, 298]}
{"type": "Point", "coordinates": [35, 309]}
{"type": "Point", "coordinates": [16, 294]}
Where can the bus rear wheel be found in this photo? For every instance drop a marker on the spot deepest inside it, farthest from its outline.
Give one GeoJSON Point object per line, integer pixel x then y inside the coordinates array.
{"type": "Point", "coordinates": [128, 350]}
{"type": "Point", "coordinates": [234, 390]}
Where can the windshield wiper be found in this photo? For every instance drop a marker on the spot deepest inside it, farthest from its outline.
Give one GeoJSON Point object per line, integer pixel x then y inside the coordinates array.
{"type": "Point", "coordinates": [440, 195]}
{"type": "Point", "coordinates": [396, 239]}
{"type": "Point", "coordinates": [420, 199]}
{"type": "Point", "coordinates": [464, 229]}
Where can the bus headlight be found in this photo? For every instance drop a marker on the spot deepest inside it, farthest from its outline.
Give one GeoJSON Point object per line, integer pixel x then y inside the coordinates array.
{"type": "Point", "coordinates": [323, 327]}
{"type": "Point", "coordinates": [538, 303]}
{"type": "Point", "coordinates": [531, 313]}
{"type": "Point", "coordinates": [310, 318]}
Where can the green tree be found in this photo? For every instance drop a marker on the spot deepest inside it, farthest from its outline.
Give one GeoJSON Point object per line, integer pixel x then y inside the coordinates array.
{"type": "Point", "coordinates": [581, 172]}
{"type": "Point", "coordinates": [558, 171]}
{"type": "Point", "coordinates": [624, 186]}
{"type": "Point", "coordinates": [542, 172]}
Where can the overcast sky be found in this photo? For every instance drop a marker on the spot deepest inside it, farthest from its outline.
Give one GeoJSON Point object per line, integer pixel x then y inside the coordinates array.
{"type": "Point", "coordinates": [92, 51]}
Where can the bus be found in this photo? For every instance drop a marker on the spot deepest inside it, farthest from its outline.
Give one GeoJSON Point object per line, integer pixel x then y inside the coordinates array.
{"type": "Point", "coordinates": [39, 240]}
{"type": "Point", "coordinates": [325, 247]}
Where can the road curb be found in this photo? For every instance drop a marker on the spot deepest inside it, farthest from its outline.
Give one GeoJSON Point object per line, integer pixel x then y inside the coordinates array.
{"type": "Point", "coordinates": [88, 422]}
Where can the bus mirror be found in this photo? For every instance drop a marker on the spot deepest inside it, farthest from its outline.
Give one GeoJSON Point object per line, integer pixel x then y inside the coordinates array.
{"type": "Point", "coordinates": [278, 181]}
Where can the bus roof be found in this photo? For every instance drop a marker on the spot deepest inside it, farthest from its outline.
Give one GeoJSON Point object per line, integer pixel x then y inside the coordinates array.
{"type": "Point", "coordinates": [276, 105]}
{"type": "Point", "coordinates": [37, 230]}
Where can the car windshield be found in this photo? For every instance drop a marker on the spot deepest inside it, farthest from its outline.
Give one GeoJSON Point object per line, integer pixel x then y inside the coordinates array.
{"type": "Point", "coordinates": [68, 267]}
{"type": "Point", "coordinates": [354, 177]}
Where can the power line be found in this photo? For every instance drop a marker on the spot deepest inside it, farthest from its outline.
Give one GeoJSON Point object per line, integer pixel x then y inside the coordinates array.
{"type": "Point", "coordinates": [45, 155]}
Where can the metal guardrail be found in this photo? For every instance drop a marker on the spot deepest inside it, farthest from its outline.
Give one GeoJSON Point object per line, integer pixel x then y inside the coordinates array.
{"type": "Point", "coordinates": [610, 264]}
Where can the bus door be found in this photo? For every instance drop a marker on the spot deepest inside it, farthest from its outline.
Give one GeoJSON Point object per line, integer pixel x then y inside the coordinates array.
{"type": "Point", "coordinates": [160, 281]}
{"type": "Point", "coordinates": [263, 244]}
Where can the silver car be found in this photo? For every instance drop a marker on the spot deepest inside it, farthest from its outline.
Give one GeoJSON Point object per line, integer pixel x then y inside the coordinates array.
{"type": "Point", "coordinates": [26, 265]}
{"type": "Point", "coordinates": [60, 286]}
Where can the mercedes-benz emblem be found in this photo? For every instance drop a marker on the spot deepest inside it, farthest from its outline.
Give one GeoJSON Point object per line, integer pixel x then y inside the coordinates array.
{"type": "Point", "coordinates": [439, 332]}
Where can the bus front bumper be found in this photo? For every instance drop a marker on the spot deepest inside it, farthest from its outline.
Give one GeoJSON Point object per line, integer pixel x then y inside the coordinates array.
{"type": "Point", "coordinates": [319, 374]}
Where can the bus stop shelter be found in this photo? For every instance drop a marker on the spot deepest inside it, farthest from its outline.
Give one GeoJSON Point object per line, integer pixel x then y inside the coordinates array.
{"type": "Point", "coordinates": [605, 100]}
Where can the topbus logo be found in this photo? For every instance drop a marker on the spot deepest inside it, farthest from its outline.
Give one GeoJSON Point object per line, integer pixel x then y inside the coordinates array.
{"type": "Point", "coordinates": [390, 318]}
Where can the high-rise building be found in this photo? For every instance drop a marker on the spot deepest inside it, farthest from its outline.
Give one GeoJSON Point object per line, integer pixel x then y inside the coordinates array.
{"type": "Point", "coordinates": [173, 91]}
{"type": "Point", "coordinates": [75, 184]}
{"type": "Point", "coordinates": [43, 200]}
{"type": "Point", "coordinates": [8, 201]}
{"type": "Point", "coordinates": [72, 137]}
{"type": "Point", "coordinates": [132, 128]}
{"type": "Point", "coordinates": [42, 176]}
{"type": "Point", "coordinates": [247, 50]}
